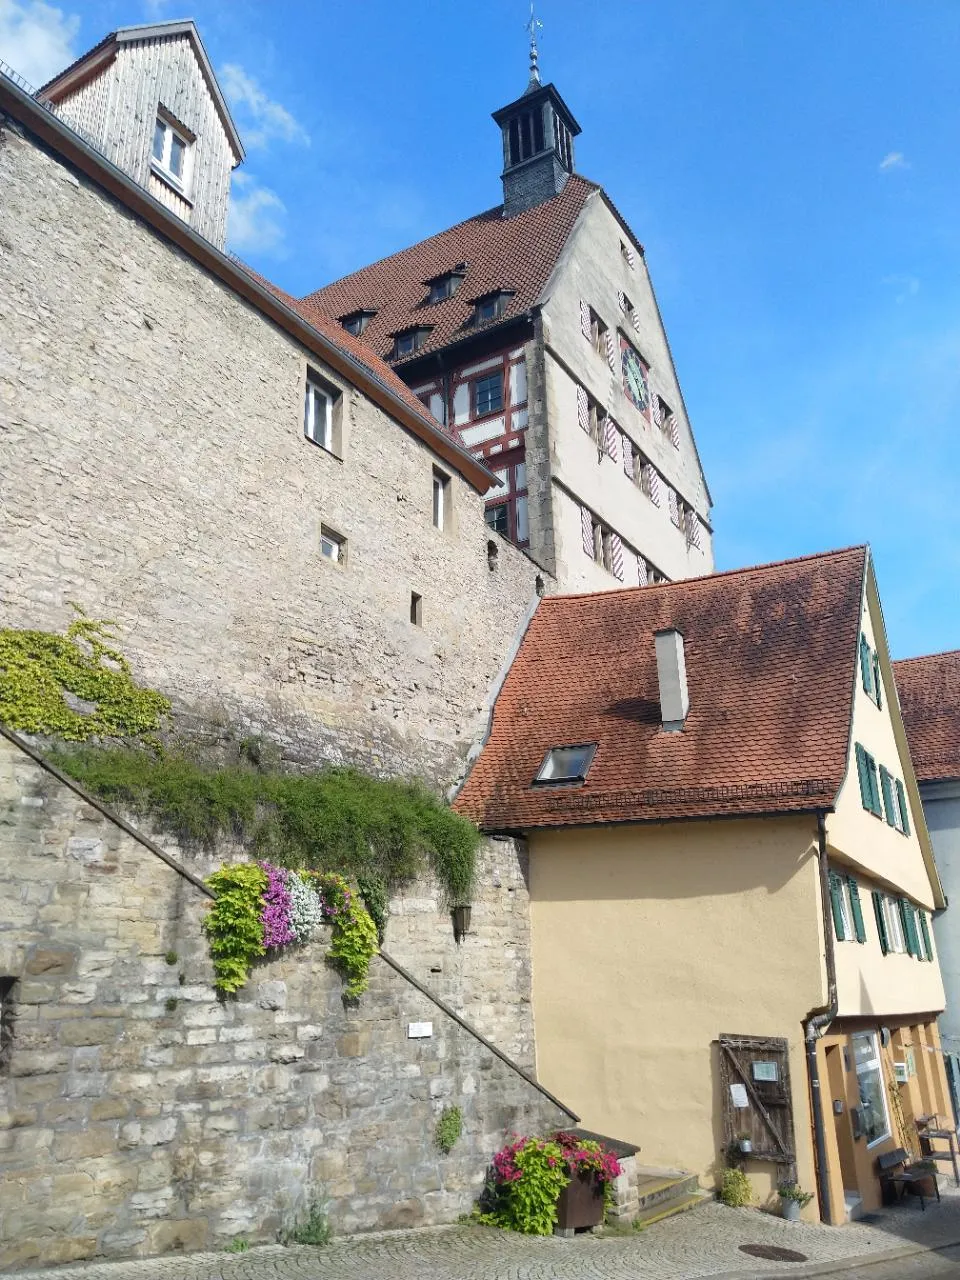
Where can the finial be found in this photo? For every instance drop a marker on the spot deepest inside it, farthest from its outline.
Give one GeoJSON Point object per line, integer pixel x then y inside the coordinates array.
{"type": "Point", "coordinates": [531, 27]}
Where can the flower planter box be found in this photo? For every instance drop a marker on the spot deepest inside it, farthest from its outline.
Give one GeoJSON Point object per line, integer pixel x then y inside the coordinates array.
{"type": "Point", "coordinates": [580, 1203]}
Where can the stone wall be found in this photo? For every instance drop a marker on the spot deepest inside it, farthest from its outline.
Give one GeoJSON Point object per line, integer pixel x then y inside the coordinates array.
{"type": "Point", "coordinates": [139, 1113]}
{"type": "Point", "coordinates": [154, 468]}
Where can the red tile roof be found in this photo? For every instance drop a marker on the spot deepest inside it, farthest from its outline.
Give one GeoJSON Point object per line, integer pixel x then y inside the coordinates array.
{"type": "Point", "coordinates": [771, 657]}
{"type": "Point", "coordinates": [517, 253]}
{"type": "Point", "coordinates": [929, 690]}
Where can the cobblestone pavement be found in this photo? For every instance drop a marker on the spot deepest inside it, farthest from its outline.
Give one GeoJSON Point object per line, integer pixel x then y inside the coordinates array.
{"type": "Point", "coordinates": [705, 1242]}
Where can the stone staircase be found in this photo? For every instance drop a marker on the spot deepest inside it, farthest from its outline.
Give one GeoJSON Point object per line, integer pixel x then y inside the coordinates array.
{"type": "Point", "coordinates": [661, 1193]}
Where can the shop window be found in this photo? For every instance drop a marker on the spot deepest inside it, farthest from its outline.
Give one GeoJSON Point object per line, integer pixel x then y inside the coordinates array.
{"type": "Point", "coordinates": [874, 1119]}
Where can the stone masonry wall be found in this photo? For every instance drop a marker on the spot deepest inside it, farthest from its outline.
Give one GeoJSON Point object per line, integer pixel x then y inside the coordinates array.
{"type": "Point", "coordinates": [140, 1114]}
{"type": "Point", "coordinates": [153, 467]}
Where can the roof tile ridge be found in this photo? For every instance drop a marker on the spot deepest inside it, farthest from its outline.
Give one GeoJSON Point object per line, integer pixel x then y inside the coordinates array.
{"type": "Point", "coordinates": [708, 577]}
{"type": "Point", "coordinates": [927, 657]}
{"type": "Point", "coordinates": [399, 253]}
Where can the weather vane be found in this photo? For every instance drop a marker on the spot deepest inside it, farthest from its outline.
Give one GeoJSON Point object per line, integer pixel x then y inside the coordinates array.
{"type": "Point", "coordinates": [532, 26]}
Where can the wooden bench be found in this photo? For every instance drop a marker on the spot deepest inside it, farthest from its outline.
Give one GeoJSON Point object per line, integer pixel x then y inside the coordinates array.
{"type": "Point", "coordinates": [894, 1170]}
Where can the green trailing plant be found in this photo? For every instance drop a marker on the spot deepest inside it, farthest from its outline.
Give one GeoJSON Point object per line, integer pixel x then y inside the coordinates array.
{"type": "Point", "coordinates": [735, 1190]}
{"type": "Point", "coordinates": [380, 833]}
{"type": "Point", "coordinates": [526, 1201]}
{"type": "Point", "coordinates": [353, 945]}
{"type": "Point", "coordinates": [314, 1229]}
{"type": "Point", "coordinates": [171, 957]}
{"type": "Point", "coordinates": [376, 899]}
{"type": "Point", "coordinates": [236, 1245]}
{"type": "Point", "coordinates": [233, 924]}
{"type": "Point", "coordinates": [40, 670]}
{"type": "Point", "coordinates": [448, 1129]}
{"type": "Point", "coordinates": [793, 1191]}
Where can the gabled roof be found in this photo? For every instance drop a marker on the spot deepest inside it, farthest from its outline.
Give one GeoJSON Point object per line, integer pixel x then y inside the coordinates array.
{"type": "Point", "coordinates": [103, 53]}
{"type": "Point", "coordinates": [929, 690]}
{"type": "Point", "coordinates": [771, 654]}
{"type": "Point", "coordinates": [517, 253]}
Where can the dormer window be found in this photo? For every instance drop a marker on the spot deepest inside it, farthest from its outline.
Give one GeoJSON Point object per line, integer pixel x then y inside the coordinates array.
{"type": "Point", "coordinates": [445, 286]}
{"type": "Point", "coordinates": [171, 153]}
{"type": "Point", "coordinates": [566, 764]}
{"type": "Point", "coordinates": [490, 307]}
{"type": "Point", "coordinates": [407, 341]}
{"type": "Point", "coordinates": [357, 321]}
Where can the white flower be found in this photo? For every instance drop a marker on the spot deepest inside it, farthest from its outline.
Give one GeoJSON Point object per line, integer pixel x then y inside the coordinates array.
{"type": "Point", "coordinates": [306, 909]}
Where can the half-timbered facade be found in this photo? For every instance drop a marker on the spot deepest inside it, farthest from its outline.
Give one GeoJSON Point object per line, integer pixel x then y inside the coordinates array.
{"type": "Point", "coordinates": [533, 335]}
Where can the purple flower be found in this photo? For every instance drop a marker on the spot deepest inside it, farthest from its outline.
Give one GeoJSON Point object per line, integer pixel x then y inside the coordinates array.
{"type": "Point", "coordinates": [277, 903]}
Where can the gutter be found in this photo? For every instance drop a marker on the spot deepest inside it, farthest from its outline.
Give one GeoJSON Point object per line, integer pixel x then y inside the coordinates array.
{"type": "Point", "coordinates": [816, 1024]}
{"type": "Point", "coordinates": [67, 144]}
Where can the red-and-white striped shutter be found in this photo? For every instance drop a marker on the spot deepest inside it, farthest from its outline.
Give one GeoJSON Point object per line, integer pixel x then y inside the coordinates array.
{"type": "Point", "coordinates": [674, 506]}
{"type": "Point", "coordinates": [629, 255]}
{"type": "Point", "coordinates": [627, 456]}
{"type": "Point", "coordinates": [641, 571]}
{"type": "Point", "coordinates": [635, 319]}
{"type": "Point", "coordinates": [611, 340]}
{"type": "Point", "coordinates": [653, 484]}
{"type": "Point", "coordinates": [693, 530]}
{"type": "Point", "coordinates": [622, 299]}
{"type": "Point", "coordinates": [586, 524]}
{"type": "Point", "coordinates": [611, 433]}
{"type": "Point", "coordinates": [655, 412]}
{"type": "Point", "coordinates": [583, 409]}
{"type": "Point", "coordinates": [673, 431]}
{"type": "Point", "coordinates": [585, 320]}
{"type": "Point", "coordinates": [616, 555]}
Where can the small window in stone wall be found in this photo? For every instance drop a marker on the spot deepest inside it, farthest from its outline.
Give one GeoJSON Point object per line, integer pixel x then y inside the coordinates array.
{"type": "Point", "coordinates": [8, 987]}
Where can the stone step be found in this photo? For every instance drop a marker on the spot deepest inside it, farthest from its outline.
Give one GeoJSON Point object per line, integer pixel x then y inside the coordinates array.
{"type": "Point", "coordinates": [654, 1191]}
{"type": "Point", "coordinates": [668, 1208]}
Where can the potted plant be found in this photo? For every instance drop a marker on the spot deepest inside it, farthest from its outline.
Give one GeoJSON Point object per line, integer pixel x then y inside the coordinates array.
{"type": "Point", "coordinates": [744, 1143]}
{"type": "Point", "coordinates": [792, 1199]}
{"type": "Point", "coordinates": [540, 1184]}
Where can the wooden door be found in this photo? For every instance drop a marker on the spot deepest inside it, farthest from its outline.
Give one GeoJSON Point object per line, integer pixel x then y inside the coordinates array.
{"type": "Point", "coordinates": [757, 1103]}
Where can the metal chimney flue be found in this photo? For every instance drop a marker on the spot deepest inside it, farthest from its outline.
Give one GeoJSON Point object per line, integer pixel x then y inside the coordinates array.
{"type": "Point", "coordinates": [672, 678]}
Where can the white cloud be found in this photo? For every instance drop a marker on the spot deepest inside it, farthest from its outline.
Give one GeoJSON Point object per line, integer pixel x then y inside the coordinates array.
{"type": "Point", "coordinates": [256, 217]}
{"type": "Point", "coordinates": [894, 160]}
{"type": "Point", "coordinates": [262, 120]}
{"type": "Point", "coordinates": [36, 39]}
{"type": "Point", "coordinates": [906, 286]}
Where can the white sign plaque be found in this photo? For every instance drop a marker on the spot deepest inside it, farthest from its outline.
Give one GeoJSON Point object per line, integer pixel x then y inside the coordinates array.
{"type": "Point", "coordinates": [419, 1030]}
{"type": "Point", "coordinates": [738, 1094]}
{"type": "Point", "coordinates": [765, 1071]}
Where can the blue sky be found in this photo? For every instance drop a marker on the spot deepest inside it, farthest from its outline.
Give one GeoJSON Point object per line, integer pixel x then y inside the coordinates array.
{"type": "Point", "coordinates": [792, 169]}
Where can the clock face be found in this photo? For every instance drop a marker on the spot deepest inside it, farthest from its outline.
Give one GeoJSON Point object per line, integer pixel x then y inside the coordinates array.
{"type": "Point", "coordinates": [634, 379]}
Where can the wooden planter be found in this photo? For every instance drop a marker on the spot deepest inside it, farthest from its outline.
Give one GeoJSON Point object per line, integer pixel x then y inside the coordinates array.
{"type": "Point", "coordinates": [926, 1187]}
{"type": "Point", "coordinates": [580, 1203]}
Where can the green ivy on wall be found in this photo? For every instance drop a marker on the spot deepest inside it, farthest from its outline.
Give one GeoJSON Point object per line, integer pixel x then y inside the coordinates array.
{"type": "Point", "coordinates": [38, 668]}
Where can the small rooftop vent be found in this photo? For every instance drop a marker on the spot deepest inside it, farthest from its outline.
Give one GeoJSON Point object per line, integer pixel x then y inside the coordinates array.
{"type": "Point", "coordinates": [672, 678]}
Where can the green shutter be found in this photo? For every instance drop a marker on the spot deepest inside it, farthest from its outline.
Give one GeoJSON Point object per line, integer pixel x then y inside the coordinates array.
{"type": "Point", "coordinates": [925, 934]}
{"type": "Point", "coordinates": [904, 812]}
{"type": "Point", "coordinates": [877, 682]}
{"type": "Point", "coordinates": [864, 776]}
{"type": "Point", "coordinates": [909, 918]}
{"type": "Point", "coordinates": [866, 667]}
{"type": "Point", "coordinates": [858, 929]}
{"type": "Point", "coordinates": [836, 889]}
{"type": "Point", "coordinates": [881, 923]}
{"type": "Point", "coordinates": [885, 786]}
{"type": "Point", "coordinates": [875, 805]}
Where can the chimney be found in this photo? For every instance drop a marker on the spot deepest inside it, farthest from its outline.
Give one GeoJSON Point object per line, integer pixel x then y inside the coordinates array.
{"type": "Point", "coordinates": [672, 678]}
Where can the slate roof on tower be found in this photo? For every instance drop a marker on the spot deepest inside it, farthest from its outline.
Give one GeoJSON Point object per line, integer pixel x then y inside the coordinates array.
{"type": "Point", "coordinates": [517, 253]}
{"type": "Point", "coordinates": [929, 690]}
{"type": "Point", "coordinates": [771, 655]}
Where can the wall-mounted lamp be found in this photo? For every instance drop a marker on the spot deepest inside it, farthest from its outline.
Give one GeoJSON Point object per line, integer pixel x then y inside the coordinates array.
{"type": "Point", "coordinates": [461, 922]}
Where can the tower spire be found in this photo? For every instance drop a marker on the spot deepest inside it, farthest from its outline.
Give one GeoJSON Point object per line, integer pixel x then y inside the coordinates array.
{"type": "Point", "coordinates": [532, 27]}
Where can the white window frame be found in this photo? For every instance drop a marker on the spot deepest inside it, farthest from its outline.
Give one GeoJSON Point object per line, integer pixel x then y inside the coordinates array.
{"type": "Point", "coordinates": [896, 942]}
{"type": "Point", "coordinates": [878, 1062]}
{"type": "Point", "coordinates": [846, 912]}
{"type": "Point", "coordinates": [333, 546]}
{"type": "Point", "coordinates": [318, 415]}
{"type": "Point", "coordinates": [163, 162]}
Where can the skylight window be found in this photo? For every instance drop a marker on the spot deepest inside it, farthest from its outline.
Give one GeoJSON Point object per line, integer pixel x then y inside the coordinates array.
{"type": "Point", "coordinates": [566, 764]}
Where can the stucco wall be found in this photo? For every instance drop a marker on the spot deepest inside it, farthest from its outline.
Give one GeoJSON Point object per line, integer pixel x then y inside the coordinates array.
{"type": "Point", "coordinates": [154, 468]}
{"type": "Point", "coordinates": [593, 269]}
{"type": "Point", "coordinates": [648, 943]}
{"type": "Point", "coordinates": [140, 1114]}
{"type": "Point", "coordinates": [852, 831]}
{"type": "Point", "coordinates": [941, 805]}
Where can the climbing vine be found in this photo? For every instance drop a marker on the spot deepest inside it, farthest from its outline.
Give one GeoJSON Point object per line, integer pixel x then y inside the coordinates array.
{"type": "Point", "coordinates": [39, 671]}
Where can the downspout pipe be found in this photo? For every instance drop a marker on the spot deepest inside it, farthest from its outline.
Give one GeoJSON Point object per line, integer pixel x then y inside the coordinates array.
{"type": "Point", "coordinates": [817, 1023]}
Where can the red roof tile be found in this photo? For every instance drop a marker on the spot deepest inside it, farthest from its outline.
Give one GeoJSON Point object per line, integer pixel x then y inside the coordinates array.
{"type": "Point", "coordinates": [517, 253]}
{"type": "Point", "coordinates": [929, 690]}
{"type": "Point", "coordinates": [770, 654]}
